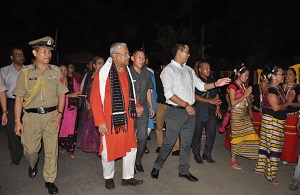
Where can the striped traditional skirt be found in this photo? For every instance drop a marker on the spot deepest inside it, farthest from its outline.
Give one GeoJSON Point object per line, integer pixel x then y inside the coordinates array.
{"type": "Point", "coordinates": [244, 140]}
{"type": "Point", "coordinates": [270, 148]}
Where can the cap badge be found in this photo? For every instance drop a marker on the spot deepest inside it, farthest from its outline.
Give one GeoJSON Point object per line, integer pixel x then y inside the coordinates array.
{"type": "Point", "coordinates": [49, 42]}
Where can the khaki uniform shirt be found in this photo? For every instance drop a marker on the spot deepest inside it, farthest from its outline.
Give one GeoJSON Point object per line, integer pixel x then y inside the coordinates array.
{"type": "Point", "coordinates": [46, 86]}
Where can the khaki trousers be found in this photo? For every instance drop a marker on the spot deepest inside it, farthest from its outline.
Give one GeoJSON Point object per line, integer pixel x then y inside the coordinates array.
{"type": "Point", "coordinates": [39, 127]}
{"type": "Point", "coordinates": [160, 119]}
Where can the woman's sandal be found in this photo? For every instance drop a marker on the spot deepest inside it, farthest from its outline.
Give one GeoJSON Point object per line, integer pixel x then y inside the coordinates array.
{"type": "Point", "coordinates": [234, 165]}
{"type": "Point", "coordinates": [71, 155]}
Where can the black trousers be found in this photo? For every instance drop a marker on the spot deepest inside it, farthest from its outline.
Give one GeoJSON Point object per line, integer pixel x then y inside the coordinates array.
{"type": "Point", "coordinates": [210, 131]}
{"type": "Point", "coordinates": [14, 142]}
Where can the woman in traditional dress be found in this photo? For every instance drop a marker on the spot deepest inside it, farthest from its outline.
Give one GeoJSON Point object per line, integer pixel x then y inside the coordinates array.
{"type": "Point", "coordinates": [244, 140]}
{"type": "Point", "coordinates": [291, 139]}
{"type": "Point", "coordinates": [257, 93]}
{"type": "Point", "coordinates": [67, 138]}
{"type": "Point", "coordinates": [272, 125]}
{"type": "Point", "coordinates": [89, 140]}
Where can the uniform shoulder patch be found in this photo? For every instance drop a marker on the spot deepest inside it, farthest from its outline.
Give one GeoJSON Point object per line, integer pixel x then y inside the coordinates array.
{"type": "Point", "coordinates": [27, 67]}
{"type": "Point", "coordinates": [54, 67]}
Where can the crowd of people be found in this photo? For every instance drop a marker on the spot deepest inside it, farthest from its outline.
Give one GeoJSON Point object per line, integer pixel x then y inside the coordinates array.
{"type": "Point", "coordinates": [112, 108]}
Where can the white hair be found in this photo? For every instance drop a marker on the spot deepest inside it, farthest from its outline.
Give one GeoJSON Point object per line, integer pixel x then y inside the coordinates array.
{"type": "Point", "coordinates": [115, 46]}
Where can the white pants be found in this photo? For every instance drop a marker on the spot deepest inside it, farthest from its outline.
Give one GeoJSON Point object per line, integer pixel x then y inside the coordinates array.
{"type": "Point", "coordinates": [149, 131]}
{"type": "Point", "coordinates": [109, 167]}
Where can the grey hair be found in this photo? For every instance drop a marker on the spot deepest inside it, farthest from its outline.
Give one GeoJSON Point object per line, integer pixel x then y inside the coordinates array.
{"type": "Point", "coordinates": [115, 46]}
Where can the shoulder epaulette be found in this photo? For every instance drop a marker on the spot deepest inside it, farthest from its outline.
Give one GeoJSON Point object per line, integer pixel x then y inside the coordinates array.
{"type": "Point", "coordinates": [54, 67]}
{"type": "Point", "coordinates": [27, 67]}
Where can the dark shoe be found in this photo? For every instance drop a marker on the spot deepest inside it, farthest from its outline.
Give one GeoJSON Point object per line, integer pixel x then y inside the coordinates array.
{"type": "Point", "coordinates": [148, 138]}
{"type": "Point", "coordinates": [110, 184]}
{"type": "Point", "coordinates": [32, 171]}
{"type": "Point", "coordinates": [294, 185]}
{"type": "Point", "coordinates": [157, 149]}
{"type": "Point", "coordinates": [154, 173]}
{"type": "Point", "coordinates": [175, 153]}
{"type": "Point", "coordinates": [131, 182]}
{"type": "Point", "coordinates": [147, 150]}
{"type": "Point", "coordinates": [189, 177]}
{"type": "Point", "coordinates": [208, 159]}
{"type": "Point", "coordinates": [52, 189]}
{"type": "Point", "coordinates": [198, 159]}
{"type": "Point", "coordinates": [139, 168]}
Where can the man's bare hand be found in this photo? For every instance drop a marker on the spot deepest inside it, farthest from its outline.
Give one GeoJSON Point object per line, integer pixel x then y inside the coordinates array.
{"type": "Point", "coordinates": [4, 119]}
{"type": "Point", "coordinates": [18, 128]}
{"type": "Point", "coordinates": [215, 101]}
{"type": "Point", "coordinates": [57, 120]}
{"type": "Point", "coordinates": [190, 110]}
{"type": "Point", "coordinates": [102, 129]}
{"type": "Point", "coordinates": [219, 114]}
{"type": "Point", "coordinates": [139, 111]}
{"type": "Point", "coordinates": [223, 81]}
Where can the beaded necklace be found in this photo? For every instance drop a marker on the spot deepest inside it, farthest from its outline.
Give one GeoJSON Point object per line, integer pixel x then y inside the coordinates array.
{"type": "Point", "coordinates": [291, 87]}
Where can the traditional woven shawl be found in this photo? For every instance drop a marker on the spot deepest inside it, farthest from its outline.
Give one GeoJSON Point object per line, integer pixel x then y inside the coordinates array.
{"type": "Point", "coordinates": [70, 83]}
{"type": "Point", "coordinates": [88, 78]}
{"type": "Point", "coordinates": [119, 120]}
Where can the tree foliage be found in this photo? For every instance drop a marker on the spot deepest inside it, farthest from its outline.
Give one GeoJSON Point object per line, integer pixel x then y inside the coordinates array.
{"type": "Point", "coordinates": [168, 36]}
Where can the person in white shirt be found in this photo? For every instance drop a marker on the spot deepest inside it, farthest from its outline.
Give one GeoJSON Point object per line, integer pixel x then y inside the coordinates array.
{"type": "Point", "coordinates": [10, 74]}
{"type": "Point", "coordinates": [179, 82]}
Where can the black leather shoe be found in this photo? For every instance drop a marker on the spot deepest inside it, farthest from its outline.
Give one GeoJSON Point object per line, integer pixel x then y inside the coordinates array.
{"type": "Point", "coordinates": [175, 153]}
{"type": "Point", "coordinates": [157, 149]}
{"type": "Point", "coordinates": [154, 173]}
{"type": "Point", "coordinates": [33, 171]}
{"type": "Point", "coordinates": [110, 184]}
{"type": "Point", "coordinates": [189, 177]}
{"type": "Point", "coordinates": [198, 159]}
{"type": "Point", "coordinates": [52, 189]}
{"type": "Point", "coordinates": [208, 159]}
{"type": "Point", "coordinates": [139, 168]}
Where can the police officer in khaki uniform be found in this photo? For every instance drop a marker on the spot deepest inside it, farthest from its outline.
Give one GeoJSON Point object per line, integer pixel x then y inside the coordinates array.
{"type": "Point", "coordinates": [41, 95]}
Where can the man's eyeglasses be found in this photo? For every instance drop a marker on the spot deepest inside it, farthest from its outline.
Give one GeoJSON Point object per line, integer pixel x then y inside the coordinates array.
{"type": "Point", "coordinates": [124, 54]}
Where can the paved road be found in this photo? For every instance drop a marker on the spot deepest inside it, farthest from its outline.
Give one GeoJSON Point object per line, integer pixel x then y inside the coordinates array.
{"type": "Point", "coordinates": [83, 175]}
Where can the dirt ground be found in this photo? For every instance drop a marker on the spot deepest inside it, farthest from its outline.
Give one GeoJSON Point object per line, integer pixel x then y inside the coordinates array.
{"type": "Point", "coordinates": [83, 175]}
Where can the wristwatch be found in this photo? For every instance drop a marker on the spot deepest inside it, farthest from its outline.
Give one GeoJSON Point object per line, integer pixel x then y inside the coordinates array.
{"type": "Point", "coordinates": [5, 111]}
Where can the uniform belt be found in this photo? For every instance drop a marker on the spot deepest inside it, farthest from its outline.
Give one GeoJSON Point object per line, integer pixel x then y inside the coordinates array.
{"type": "Point", "coordinates": [41, 110]}
{"type": "Point", "coordinates": [173, 106]}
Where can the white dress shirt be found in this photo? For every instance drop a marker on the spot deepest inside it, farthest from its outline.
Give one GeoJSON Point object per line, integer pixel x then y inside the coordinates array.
{"type": "Point", "coordinates": [180, 81]}
{"type": "Point", "coordinates": [10, 75]}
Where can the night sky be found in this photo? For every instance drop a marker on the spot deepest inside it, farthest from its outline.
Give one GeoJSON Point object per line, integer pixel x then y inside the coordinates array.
{"type": "Point", "coordinates": [256, 32]}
